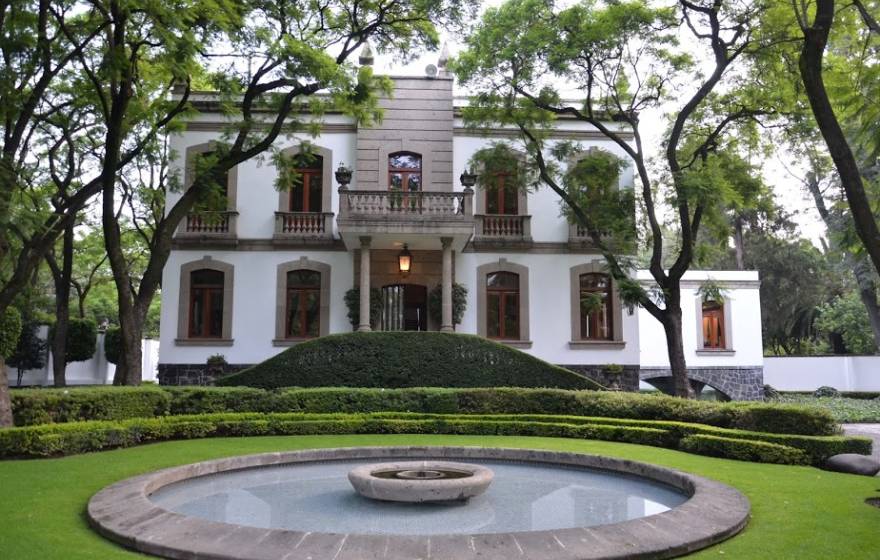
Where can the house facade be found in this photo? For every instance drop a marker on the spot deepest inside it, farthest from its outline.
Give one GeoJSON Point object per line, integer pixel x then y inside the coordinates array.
{"type": "Point", "coordinates": [386, 249]}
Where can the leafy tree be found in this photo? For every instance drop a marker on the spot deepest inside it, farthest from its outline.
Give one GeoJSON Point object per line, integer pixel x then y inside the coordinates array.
{"type": "Point", "coordinates": [82, 340]}
{"type": "Point", "coordinates": [10, 330]}
{"type": "Point", "coordinates": [846, 316]}
{"type": "Point", "coordinates": [623, 59]}
{"type": "Point", "coordinates": [30, 353]}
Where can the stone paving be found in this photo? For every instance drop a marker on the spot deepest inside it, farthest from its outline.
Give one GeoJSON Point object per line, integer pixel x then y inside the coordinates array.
{"type": "Point", "coordinates": [868, 430]}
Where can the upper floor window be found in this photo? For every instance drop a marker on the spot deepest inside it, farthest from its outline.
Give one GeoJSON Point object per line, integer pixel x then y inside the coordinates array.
{"type": "Point", "coordinates": [713, 325]}
{"type": "Point", "coordinates": [502, 305]}
{"type": "Point", "coordinates": [405, 171]}
{"type": "Point", "coordinates": [306, 192]}
{"type": "Point", "coordinates": [503, 197]}
{"type": "Point", "coordinates": [206, 303]}
{"type": "Point", "coordinates": [595, 307]}
{"type": "Point", "coordinates": [303, 305]}
{"type": "Point", "coordinates": [216, 198]}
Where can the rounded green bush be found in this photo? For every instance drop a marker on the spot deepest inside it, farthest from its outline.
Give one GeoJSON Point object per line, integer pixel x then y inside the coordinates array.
{"type": "Point", "coordinates": [10, 330]}
{"type": "Point", "coordinates": [826, 391]}
{"type": "Point", "coordinates": [405, 359]}
{"type": "Point", "coordinates": [112, 344]}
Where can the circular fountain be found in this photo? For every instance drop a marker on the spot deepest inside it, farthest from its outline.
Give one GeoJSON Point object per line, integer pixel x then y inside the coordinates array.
{"type": "Point", "coordinates": [421, 481]}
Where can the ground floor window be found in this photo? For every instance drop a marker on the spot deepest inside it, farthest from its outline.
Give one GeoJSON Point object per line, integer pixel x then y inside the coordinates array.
{"type": "Point", "coordinates": [206, 304]}
{"type": "Point", "coordinates": [713, 325]}
{"type": "Point", "coordinates": [502, 309]}
{"type": "Point", "coordinates": [303, 309]}
{"type": "Point", "coordinates": [595, 307]}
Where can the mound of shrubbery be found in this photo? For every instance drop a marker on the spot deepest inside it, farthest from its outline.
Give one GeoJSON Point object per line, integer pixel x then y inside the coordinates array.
{"type": "Point", "coordinates": [78, 437]}
{"type": "Point", "coordinates": [405, 359]}
{"type": "Point", "coordinates": [38, 406]}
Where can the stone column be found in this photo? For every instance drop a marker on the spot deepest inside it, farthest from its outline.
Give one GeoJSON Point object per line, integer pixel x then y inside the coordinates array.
{"type": "Point", "coordinates": [364, 324]}
{"type": "Point", "coordinates": [446, 287]}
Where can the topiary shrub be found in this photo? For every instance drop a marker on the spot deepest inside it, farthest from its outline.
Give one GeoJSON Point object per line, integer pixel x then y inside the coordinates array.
{"type": "Point", "coordinates": [82, 339]}
{"type": "Point", "coordinates": [826, 391]}
{"type": "Point", "coordinates": [10, 330]}
{"type": "Point", "coordinates": [770, 393]}
{"type": "Point", "coordinates": [112, 344]}
{"type": "Point", "coordinates": [44, 406]}
{"type": "Point", "coordinates": [405, 359]}
{"type": "Point", "coordinates": [744, 450]}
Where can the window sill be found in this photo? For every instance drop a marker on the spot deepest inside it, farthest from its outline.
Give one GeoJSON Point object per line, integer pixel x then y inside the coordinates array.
{"type": "Point", "coordinates": [596, 344]}
{"type": "Point", "coordinates": [515, 343]}
{"type": "Point", "coordinates": [718, 352]}
{"type": "Point", "coordinates": [289, 341]}
{"type": "Point", "coordinates": [203, 341]}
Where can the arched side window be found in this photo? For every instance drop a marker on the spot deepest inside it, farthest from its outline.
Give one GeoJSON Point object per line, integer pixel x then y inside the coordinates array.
{"type": "Point", "coordinates": [595, 307]}
{"type": "Point", "coordinates": [713, 325]}
{"type": "Point", "coordinates": [306, 192]}
{"type": "Point", "coordinates": [503, 198]}
{"type": "Point", "coordinates": [596, 311]}
{"type": "Point", "coordinates": [405, 171]}
{"type": "Point", "coordinates": [225, 196]}
{"type": "Point", "coordinates": [302, 301]}
{"type": "Point", "coordinates": [503, 302]}
{"type": "Point", "coordinates": [205, 307]}
{"type": "Point", "coordinates": [303, 305]}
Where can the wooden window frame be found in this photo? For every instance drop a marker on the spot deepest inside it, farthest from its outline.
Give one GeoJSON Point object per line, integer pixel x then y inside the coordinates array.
{"type": "Point", "coordinates": [308, 175]}
{"type": "Point", "coordinates": [500, 194]}
{"type": "Point", "coordinates": [503, 295]}
{"type": "Point", "coordinates": [302, 293]}
{"type": "Point", "coordinates": [406, 172]}
{"type": "Point", "coordinates": [609, 314]}
{"type": "Point", "coordinates": [710, 309]}
{"type": "Point", "coordinates": [210, 291]}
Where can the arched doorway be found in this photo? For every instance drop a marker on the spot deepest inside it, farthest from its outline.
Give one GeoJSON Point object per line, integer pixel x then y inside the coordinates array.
{"type": "Point", "coordinates": [404, 307]}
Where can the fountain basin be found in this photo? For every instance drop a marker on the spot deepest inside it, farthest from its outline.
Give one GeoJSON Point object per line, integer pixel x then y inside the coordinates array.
{"type": "Point", "coordinates": [421, 481]}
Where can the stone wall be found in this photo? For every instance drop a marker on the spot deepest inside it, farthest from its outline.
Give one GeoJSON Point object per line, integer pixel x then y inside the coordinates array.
{"type": "Point", "coordinates": [195, 374]}
{"type": "Point", "coordinates": [739, 383]}
{"type": "Point", "coordinates": [627, 381]}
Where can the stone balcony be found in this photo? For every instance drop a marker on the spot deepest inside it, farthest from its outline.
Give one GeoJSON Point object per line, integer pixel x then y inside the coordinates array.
{"type": "Point", "coordinates": [303, 226]}
{"type": "Point", "coordinates": [209, 225]}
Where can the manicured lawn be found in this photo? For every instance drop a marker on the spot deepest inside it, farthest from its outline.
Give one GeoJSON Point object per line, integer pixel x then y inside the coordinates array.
{"type": "Point", "coordinates": [798, 512]}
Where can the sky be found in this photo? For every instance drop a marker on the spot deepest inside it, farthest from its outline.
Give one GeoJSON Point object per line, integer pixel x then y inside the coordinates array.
{"type": "Point", "coordinates": [790, 194]}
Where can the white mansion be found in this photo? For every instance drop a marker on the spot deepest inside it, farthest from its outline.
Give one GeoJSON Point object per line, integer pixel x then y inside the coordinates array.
{"type": "Point", "coordinates": [273, 268]}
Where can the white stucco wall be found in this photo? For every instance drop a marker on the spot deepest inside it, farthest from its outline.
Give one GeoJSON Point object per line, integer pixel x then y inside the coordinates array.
{"type": "Point", "coordinates": [253, 309]}
{"type": "Point", "coordinates": [741, 290]}
{"type": "Point", "coordinates": [844, 373]}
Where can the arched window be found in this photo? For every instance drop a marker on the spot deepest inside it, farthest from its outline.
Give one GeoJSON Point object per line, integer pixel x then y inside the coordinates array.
{"type": "Point", "coordinates": [502, 305]}
{"type": "Point", "coordinates": [303, 305]}
{"type": "Point", "coordinates": [405, 171]}
{"type": "Point", "coordinates": [306, 191]}
{"type": "Point", "coordinates": [713, 325]}
{"type": "Point", "coordinates": [217, 198]}
{"type": "Point", "coordinates": [502, 198]}
{"type": "Point", "coordinates": [206, 303]}
{"type": "Point", "coordinates": [595, 307]}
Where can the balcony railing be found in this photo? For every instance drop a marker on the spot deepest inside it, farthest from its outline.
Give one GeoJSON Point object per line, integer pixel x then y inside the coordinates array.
{"type": "Point", "coordinates": [303, 224]}
{"type": "Point", "coordinates": [395, 204]}
{"type": "Point", "coordinates": [504, 226]}
{"type": "Point", "coordinates": [210, 223]}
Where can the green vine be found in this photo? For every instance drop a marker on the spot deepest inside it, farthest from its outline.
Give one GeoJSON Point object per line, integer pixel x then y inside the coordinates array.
{"type": "Point", "coordinates": [710, 290]}
{"type": "Point", "coordinates": [497, 158]}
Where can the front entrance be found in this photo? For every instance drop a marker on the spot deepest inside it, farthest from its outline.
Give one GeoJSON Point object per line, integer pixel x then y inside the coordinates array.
{"type": "Point", "coordinates": [404, 307]}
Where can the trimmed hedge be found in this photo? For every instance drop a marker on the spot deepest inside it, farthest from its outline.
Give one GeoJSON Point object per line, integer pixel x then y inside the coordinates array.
{"type": "Point", "coordinates": [50, 405]}
{"type": "Point", "coordinates": [405, 359]}
{"type": "Point", "coordinates": [80, 437]}
{"type": "Point", "coordinates": [744, 450]}
{"type": "Point", "coordinates": [41, 406]}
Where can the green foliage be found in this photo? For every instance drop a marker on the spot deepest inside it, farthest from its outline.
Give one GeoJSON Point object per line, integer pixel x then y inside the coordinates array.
{"type": "Point", "coordinates": [40, 406]}
{"type": "Point", "coordinates": [82, 339]}
{"type": "Point", "coordinates": [631, 407]}
{"type": "Point", "coordinates": [353, 305]}
{"type": "Point", "coordinates": [30, 352]}
{"type": "Point", "coordinates": [10, 330]}
{"type": "Point", "coordinates": [710, 290]}
{"type": "Point", "coordinates": [846, 315]}
{"type": "Point", "coordinates": [501, 158]}
{"type": "Point", "coordinates": [404, 359]}
{"type": "Point", "coordinates": [112, 344]}
{"type": "Point", "coordinates": [847, 408]}
{"type": "Point", "coordinates": [826, 391]}
{"type": "Point", "coordinates": [459, 303]}
{"type": "Point", "coordinates": [743, 450]}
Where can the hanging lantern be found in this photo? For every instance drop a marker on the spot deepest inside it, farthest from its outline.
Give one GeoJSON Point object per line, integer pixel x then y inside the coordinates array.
{"type": "Point", "coordinates": [404, 260]}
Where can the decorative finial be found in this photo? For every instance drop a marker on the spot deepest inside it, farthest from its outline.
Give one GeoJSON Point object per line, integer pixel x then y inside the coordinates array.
{"type": "Point", "coordinates": [366, 56]}
{"type": "Point", "coordinates": [343, 176]}
{"type": "Point", "coordinates": [444, 56]}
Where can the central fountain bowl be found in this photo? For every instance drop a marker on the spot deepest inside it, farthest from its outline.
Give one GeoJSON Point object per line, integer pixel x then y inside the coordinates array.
{"type": "Point", "coordinates": [420, 481]}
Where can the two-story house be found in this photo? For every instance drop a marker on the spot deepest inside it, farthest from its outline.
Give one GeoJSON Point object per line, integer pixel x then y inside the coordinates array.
{"type": "Point", "coordinates": [274, 267]}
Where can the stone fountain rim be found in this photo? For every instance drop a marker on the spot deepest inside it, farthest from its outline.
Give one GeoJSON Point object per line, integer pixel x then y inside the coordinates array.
{"type": "Point", "coordinates": [123, 512]}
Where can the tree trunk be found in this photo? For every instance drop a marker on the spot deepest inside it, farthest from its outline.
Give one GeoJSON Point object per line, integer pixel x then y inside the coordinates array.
{"type": "Point", "coordinates": [810, 66]}
{"type": "Point", "coordinates": [868, 294]}
{"type": "Point", "coordinates": [675, 349]}
{"type": "Point", "coordinates": [5, 401]}
{"type": "Point", "coordinates": [128, 370]}
{"type": "Point", "coordinates": [62, 307]}
{"type": "Point", "coordinates": [738, 243]}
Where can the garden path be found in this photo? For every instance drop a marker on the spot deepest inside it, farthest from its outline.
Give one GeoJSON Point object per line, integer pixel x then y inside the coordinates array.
{"type": "Point", "coordinates": [869, 430]}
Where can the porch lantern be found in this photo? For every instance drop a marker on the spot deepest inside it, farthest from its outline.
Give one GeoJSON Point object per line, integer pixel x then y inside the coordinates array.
{"type": "Point", "coordinates": [404, 260]}
{"type": "Point", "coordinates": [343, 176]}
{"type": "Point", "coordinates": [468, 180]}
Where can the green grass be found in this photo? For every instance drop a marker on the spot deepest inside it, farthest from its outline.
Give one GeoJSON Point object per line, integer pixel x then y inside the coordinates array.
{"type": "Point", "coordinates": [845, 410]}
{"type": "Point", "coordinates": [798, 512]}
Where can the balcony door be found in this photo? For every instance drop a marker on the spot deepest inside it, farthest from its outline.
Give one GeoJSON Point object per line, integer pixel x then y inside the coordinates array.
{"type": "Point", "coordinates": [404, 307]}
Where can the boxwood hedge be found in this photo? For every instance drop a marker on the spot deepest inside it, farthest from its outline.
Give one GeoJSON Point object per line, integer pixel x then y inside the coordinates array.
{"type": "Point", "coordinates": [35, 406]}
{"type": "Point", "coordinates": [78, 437]}
{"type": "Point", "coordinates": [405, 359]}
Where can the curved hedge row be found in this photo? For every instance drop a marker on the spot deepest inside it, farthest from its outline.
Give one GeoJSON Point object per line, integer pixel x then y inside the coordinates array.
{"type": "Point", "coordinates": [37, 406]}
{"type": "Point", "coordinates": [80, 437]}
{"type": "Point", "coordinates": [405, 359]}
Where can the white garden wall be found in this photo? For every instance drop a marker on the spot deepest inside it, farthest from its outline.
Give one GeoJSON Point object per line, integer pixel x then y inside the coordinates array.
{"type": "Point", "coordinates": [844, 373]}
